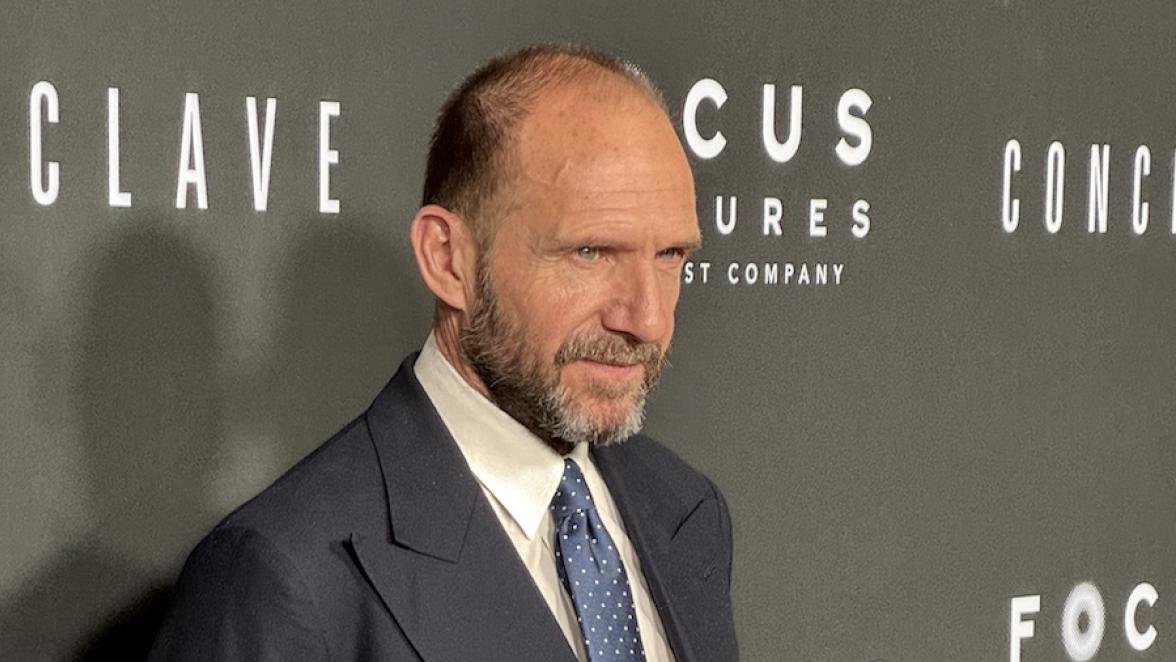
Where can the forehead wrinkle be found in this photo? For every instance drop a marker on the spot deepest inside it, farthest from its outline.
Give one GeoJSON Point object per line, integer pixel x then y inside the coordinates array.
{"type": "Point", "coordinates": [573, 157]}
{"type": "Point", "coordinates": [605, 175]}
{"type": "Point", "coordinates": [570, 196]}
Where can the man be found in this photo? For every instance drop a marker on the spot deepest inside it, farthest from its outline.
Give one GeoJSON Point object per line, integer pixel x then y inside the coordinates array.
{"type": "Point", "coordinates": [494, 502]}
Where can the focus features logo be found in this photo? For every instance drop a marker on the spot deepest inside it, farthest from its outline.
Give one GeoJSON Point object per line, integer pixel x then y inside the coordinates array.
{"type": "Point", "coordinates": [707, 97]}
{"type": "Point", "coordinates": [1084, 621]}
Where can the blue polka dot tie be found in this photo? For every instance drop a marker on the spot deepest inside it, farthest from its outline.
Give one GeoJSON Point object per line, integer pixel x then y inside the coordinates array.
{"type": "Point", "coordinates": [591, 570]}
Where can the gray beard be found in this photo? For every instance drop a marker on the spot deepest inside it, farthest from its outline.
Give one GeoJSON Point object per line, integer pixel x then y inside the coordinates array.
{"type": "Point", "coordinates": [518, 384]}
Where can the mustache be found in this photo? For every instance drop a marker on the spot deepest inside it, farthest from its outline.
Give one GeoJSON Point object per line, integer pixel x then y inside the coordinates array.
{"type": "Point", "coordinates": [612, 349]}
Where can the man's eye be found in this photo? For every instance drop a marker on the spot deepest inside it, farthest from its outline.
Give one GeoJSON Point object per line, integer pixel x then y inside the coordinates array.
{"type": "Point", "coordinates": [587, 252]}
{"type": "Point", "coordinates": [672, 253]}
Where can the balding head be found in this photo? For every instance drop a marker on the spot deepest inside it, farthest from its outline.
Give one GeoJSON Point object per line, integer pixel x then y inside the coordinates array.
{"type": "Point", "coordinates": [472, 151]}
{"type": "Point", "coordinates": [559, 211]}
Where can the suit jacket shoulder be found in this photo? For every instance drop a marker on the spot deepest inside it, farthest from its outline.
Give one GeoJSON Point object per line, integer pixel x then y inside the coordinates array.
{"type": "Point", "coordinates": [657, 460]}
{"type": "Point", "coordinates": [683, 536]}
{"type": "Point", "coordinates": [273, 580]}
{"type": "Point", "coordinates": [379, 545]}
{"type": "Point", "coordinates": [327, 494]}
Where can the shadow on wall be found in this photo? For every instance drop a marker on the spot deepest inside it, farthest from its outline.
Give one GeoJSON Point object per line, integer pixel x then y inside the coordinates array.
{"type": "Point", "coordinates": [149, 391]}
{"type": "Point", "coordinates": [150, 416]}
{"type": "Point", "coordinates": [352, 307]}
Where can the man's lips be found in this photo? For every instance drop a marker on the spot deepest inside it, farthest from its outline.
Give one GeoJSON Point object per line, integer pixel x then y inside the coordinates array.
{"type": "Point", "coordinates": [612, 370]}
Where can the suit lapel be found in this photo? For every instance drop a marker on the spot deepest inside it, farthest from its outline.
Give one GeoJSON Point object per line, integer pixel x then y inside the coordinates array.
{"type": "Point", "coordinates": [671, 529]}
{"type": "Point", "coordinates": [445, 569]}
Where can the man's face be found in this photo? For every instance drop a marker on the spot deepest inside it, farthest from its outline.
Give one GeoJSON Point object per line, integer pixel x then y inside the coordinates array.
{"type": "Point", "coordinates": [574, 304]}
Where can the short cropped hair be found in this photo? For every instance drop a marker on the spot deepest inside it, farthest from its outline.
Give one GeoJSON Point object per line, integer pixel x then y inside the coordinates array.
{"type": "Point", "coordinates": [469, 155]}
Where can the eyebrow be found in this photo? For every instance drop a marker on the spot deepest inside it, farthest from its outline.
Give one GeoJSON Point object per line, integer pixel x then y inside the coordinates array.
{"type": "Point", "coordinates": [689, 245]}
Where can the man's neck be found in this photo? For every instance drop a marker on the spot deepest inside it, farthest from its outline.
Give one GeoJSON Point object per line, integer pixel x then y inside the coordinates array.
{"type": "Point", "coordinates": [445, 335]}
{"type": "Point", "coordinates": [446, 330]}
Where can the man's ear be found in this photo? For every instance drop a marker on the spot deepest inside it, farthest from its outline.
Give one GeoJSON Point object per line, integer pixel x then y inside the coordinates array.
{"type": "Point", "coordinates": [446, 254]}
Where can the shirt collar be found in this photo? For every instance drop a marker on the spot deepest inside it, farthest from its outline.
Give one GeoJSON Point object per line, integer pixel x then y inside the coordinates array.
{"type": "Point", "coordinates": [517, 467]}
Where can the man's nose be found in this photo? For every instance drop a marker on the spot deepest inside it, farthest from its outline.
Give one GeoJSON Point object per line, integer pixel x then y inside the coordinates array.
{"type": "Point", "coordinates": [637, 306]}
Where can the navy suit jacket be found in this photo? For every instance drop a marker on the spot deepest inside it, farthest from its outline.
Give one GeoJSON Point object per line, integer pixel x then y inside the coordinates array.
{"type": "Point", "coordinates": [380, 545]}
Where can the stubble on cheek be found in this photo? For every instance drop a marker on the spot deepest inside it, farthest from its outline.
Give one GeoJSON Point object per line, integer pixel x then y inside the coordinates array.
{"type": "Point", "coordinates": [550, 391]}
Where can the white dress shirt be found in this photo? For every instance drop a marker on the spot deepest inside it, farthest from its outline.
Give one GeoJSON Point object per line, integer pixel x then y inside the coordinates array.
{"type": "Point", "coordinates": [518, 473]}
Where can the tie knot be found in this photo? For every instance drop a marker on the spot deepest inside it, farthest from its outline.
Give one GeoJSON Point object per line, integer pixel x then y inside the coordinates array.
{"type": "Point", "coordinates": [572, 495]}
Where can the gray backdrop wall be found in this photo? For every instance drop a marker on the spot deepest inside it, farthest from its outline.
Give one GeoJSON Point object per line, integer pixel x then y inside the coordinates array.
{"type": "Point", "coordinates": [925, 453]}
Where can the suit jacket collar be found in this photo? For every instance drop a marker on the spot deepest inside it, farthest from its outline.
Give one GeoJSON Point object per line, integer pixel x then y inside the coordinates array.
{"type": "Point", "coordinates": [430, 566]}
{"type": "Point", "coordinates": [509, 461]}
{"type": "Point", "coordinates": [444, 568]}
{"type": "Point", "coordinates": [430, 489]}
{"type": "Point", "coordinates": [676, 567]}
